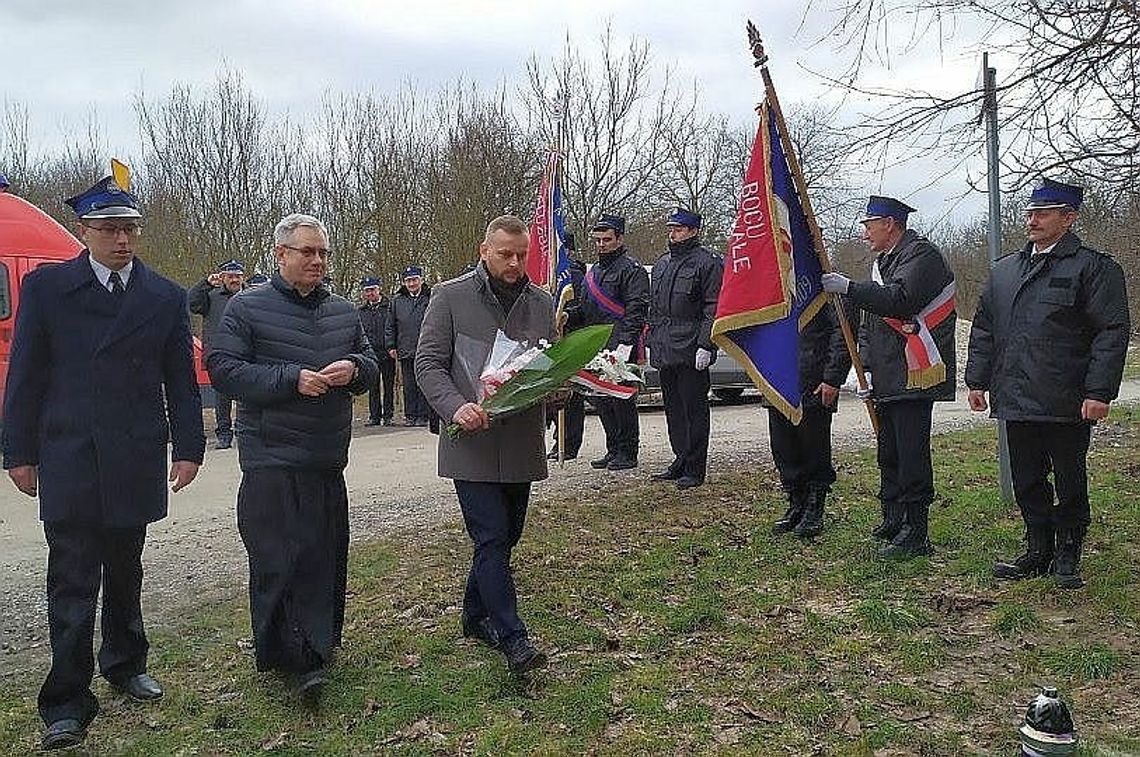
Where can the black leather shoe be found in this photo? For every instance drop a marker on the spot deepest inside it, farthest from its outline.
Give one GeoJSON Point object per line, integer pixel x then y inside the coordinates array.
{"type": "Point", "coordinates": [481, 629]}
{"type": "Point", "coordinates": [523, 657]}
{"type": "Point", "coordinates": [688, 482]}
{"type": "Point", "coordinates": [224, 444]}
{"type": "Point", "coordinates": [602, 462]}
{"type": "Point", "coordinates": [141, 687]}
{"type": "Point", "coordinates": [387, 422]}
{"type": "Point", "coordinates": [621, 463]}
{"type": "Point", "coordinates": [64, 733]}
{"type": "Point", "coordinates": [666, 475]}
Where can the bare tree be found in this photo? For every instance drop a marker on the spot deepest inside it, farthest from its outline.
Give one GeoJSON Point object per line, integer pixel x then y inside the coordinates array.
{"type": "Point", "coordinates": [1070, 105]}
{"type": "Point", "coordinates": [617, 108]}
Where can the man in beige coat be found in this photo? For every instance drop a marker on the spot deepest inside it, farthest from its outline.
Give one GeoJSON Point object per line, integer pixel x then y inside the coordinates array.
{"type": "Point", "coordinates": [492, 465]}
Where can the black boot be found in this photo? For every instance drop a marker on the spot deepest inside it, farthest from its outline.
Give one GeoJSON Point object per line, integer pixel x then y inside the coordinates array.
{"type": "Point", "coordinates": [912, 539]}
{"type": "Point", "coordinates": [797, 503]}
{"type": "Point", "coordinates": [1037, 560]}
{"type": "Point", "coordinates": [811, 524]}
{"type": "Point", "coordinates": [1067, 567]}
{"type": "Point", "coordinates": [894, 518]}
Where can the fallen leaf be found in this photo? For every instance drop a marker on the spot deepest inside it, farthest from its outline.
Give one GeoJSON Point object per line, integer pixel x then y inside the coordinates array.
{"type": "Point", "coordinates": [274, 743]}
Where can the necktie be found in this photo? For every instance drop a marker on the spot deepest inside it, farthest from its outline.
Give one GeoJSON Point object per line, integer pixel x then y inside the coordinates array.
{"type": "Point", "coordinates": [117, 287]}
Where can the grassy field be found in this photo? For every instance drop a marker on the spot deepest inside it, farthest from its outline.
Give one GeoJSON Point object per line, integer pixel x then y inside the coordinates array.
{"type": "Point", "coordinates": [679, 626]}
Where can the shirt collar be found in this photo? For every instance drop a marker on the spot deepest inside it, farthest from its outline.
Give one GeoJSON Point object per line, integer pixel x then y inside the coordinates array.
{"type": "Point", "coordinates": [103, 273]}
{"type": "Point", "coordinates": [1035, 252]}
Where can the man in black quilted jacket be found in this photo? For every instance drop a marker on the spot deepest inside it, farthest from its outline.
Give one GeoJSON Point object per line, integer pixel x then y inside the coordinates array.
{"type": "Point", "coordinates": [293, 355]}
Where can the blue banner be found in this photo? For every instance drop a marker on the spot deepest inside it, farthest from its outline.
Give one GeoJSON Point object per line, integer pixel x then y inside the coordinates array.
{"type": "Point", "coordinates": [769, 351]}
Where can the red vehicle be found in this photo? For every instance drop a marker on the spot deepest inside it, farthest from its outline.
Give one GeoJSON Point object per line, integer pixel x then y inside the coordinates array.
{"type": "Point", "coordinates": [30, 238]}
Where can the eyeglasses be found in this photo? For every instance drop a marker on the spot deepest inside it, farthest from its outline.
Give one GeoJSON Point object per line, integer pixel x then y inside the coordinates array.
{"type": "Point", "coordinates": [112, 231]}
{"type": "Point", "coordinates": [310, 252]}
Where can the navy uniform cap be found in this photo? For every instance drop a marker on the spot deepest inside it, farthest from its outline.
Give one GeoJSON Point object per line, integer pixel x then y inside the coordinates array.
{"type": "Point", "coordinates": [369, 281]}
{"type": "Point", "coordinates": [887, 207]}
{"type": "Point", "coordinates": [4, 182]}
{"type": "Point", "coordinates": [257, 279]}
{"type": "Point", "coordinates": [1055, 194]}
{"type": "Point", "coordinates": [231, 266]}
{"type": "Point", "coordinates": [105, 200]}
{"type": "Point", "coordinates": [684, 217]}
{"type": "Point", "coordinates": [414, 271]}
{"type": "Point", "coordinates": [609, 221]}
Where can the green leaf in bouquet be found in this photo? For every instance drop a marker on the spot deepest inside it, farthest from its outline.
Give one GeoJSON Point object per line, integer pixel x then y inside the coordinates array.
{"type": "Point", "coordinates": [544, 375]}
{"type": "Point", "coordinates": [549, 371]}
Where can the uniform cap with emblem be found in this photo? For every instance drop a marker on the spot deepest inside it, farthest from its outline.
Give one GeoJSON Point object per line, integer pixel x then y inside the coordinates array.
{"type": "Point", "coordinates": [610, 222]}
{"type": "Point", "coordinates": [3, 182]}
{"type": "Point", "coordinates": [257, 279]}
{"type": "Point", "coordinates": [109, 198]}
{"type": "Point", "coordinates": [231, 266]}
{"type": "Point", "coordinates": [887, 207]}
{"type": "Point", "coordinates": [369, 281]}
{"type": "Point", "coordinates": [1055, 194]}
{"type": "Point", "coordinates": [684, 217]}
{"type": "Point", "coordinates": [413, 272]}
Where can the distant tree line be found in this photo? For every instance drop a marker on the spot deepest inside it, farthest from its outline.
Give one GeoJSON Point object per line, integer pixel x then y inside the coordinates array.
{"type": "Point", "coordinates": [414, 176]}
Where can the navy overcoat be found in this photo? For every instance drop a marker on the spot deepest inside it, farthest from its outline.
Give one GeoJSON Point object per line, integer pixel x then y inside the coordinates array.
{"type": "Point", "coordinates": [96, 388]}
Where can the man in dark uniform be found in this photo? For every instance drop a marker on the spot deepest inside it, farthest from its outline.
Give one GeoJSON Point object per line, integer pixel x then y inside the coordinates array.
{"type": "Point", "coordinates": [685, 287]}
{"type": "Point", "coordinates": [374, 317]}
{"type": "Point", "coordinates": [402, 334]}
{"type": "Point", "coordinates": [575, 415]}
{"type": "Point", "coordinates": [295, 390]}
{"type": "Point", "coordinates": [1048, 343]}
{"type": "Point", "coordinates": [803, 453]}
{"type": "Point", "coordinates": [616, 290]}
{"type": "Point", "coordinates": [101, 375]}
{"type": "Point", "coordinates": [208, 298]}
{"type": "Point", "coordinates": [907, 344]}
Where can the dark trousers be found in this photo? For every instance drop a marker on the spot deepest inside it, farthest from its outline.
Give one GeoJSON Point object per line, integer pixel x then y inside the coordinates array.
{"type": "Point", "coordinates": [223, 417]}
{"type": "Point", "coordinates": [381, 405]}
{"type": "Point", "coordinates": [619, 419]}
{"type": "Point", "coordinates": [575, 424]}
{"type": "Point", "coordinates": [494, 515]}
{"type": "Point", "coordinates": [80, 558]}
{"type": "Point", "coordinates": [686, 394]}
{"type": "Point", "coordinates": [294, 525]}
{"type": "Point", "coordinates": [802, 453]}
{"type": "Point", "coordinates": [906, 474]}
{"type": "Point", "coordinates": [1037, 448]}
{"type": "Point", "coordinates": [415, 406]}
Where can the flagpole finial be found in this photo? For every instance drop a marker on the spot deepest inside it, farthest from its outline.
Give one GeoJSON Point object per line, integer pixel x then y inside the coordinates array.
{"type": "Point", "coordinates": [757, 45]}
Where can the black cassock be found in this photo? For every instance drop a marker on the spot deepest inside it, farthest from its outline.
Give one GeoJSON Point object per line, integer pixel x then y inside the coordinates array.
{"type": "Point", "coordinates": [295, 527]}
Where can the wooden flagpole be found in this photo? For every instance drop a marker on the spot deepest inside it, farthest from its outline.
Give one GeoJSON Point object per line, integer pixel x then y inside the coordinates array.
{"type": "Point", "coordinates": [761, 62]}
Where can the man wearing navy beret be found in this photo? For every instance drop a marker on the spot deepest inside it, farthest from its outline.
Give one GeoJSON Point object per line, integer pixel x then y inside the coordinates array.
{"type": "Point", "coordinates": [907, 344]}
{"type": "Point", "coordinates": [684, 288]}
{"type": "Point", "coordinates": [402, 334]}
{"type": "Point", "coordinates": [101, 378]}
{"type": "Point", "coordinates": [208, 298]}
{"type": "Point", "coordinates": [616, 291]}
{"type": "Point", "coordinates": [374, 314]}
{"type": "Point", "coordinates": [1048, 345]}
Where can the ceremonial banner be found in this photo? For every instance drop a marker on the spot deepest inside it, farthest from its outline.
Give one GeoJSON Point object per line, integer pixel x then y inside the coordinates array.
{"type": "Point", "coordinates": [563, 289]}
{"type": "Point", "coordinates": [542, 248]}
{"type": "Point", "coordinates": [771, 284]}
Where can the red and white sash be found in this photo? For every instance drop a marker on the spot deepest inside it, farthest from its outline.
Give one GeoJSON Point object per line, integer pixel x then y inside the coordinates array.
{"type": "Point", "coordinates": [924, 364]}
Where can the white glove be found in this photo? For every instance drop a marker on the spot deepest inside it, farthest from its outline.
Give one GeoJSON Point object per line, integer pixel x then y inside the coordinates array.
{"type": "Point", "coordinates": [864, 394]}
{"type": "Point", "coordinates": [624, 351]}
{"type": "Point", "coordinates": [704, 358]}
{"type": "Point", "coordinates": [835, 282]}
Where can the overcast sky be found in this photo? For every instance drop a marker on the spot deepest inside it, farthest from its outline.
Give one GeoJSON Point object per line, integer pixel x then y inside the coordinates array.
{"type": "Point", "coordinates": [62, 58]}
